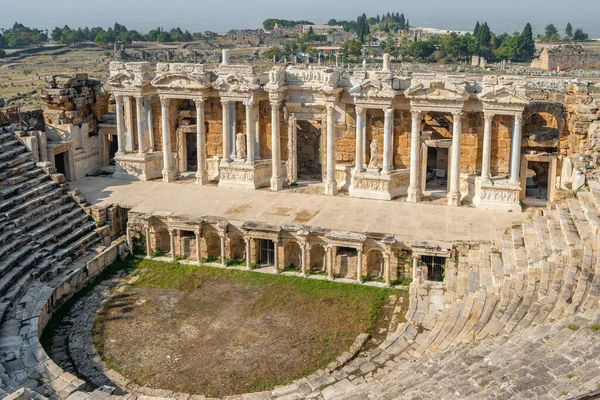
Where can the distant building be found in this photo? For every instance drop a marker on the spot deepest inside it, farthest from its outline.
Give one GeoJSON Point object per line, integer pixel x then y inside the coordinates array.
{"type": "Point", "coordinates": [321, 29]}
{"type": "Point", "coordinates": [253, 37]}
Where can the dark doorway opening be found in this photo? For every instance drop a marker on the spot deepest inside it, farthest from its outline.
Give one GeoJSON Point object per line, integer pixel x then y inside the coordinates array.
{"type": "Point", "coordinates": [267, 252]}
{"type": "Point", "coordinates": [61, 162]}
{"type": "Point", "coordinates": [192, 151]}
{"type": "Point", "coordinates": [537, 180]}
{"type": "Point", "coordinates": [113, 147]}
{"type": "Point", "coordinates": [437, 168]}
{"type": "Point", "coordinates": [435, 267]}
{"type": "Point", "coordinates": [309, 151]}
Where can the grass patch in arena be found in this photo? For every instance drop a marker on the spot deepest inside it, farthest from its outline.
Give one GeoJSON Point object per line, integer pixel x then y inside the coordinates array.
{"type": "Point", "coordinates": [219, 332]}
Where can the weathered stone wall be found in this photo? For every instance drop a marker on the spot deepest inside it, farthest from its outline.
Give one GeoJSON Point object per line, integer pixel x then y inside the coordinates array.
{"type": "Point", "coordinates": [565, 57]}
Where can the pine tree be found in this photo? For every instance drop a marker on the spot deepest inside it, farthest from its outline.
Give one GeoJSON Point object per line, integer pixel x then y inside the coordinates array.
{"type": "Point", "coordinates": [402, 21]}
{"type": "Point", "coordinates": [526, 47]}
{"type": "Point", "coordinates": [378, 19]}
{"type": "Point", "coordinates": [407, 26]}
{"type": "Point", "coordinates": [569, 30]}
{"type": "Point", "coordinates": [476, 30]}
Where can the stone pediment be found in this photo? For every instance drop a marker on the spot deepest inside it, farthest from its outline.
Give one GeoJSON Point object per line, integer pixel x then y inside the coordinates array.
{"type": "Point", "coordinates": [503, 95]}
{"type": "Point", "coordinates": [372, 89]}
{"type": "Point", "coordinates": [176, 80]}
{"type": "Point", "coordinates": [322, 80]}
{"type": "Point", "coordinates": [236, 83]}
{"type": "Point", "coordinates": [123, 80]}
{"type": "Point", "coordinates": [438, 90]}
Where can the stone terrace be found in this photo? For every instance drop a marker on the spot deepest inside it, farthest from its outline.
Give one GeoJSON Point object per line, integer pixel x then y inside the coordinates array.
{"type": "Point", "coordinates": [407, 222]}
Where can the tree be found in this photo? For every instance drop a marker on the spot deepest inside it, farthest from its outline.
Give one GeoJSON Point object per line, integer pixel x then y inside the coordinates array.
{"type": "Point", "coordinates": [526, 47]}
{"type": "Point", "coordinates": [271, 52]}
{"type": "Point", "coordinates": [569, 30]}
{"type": "Point", "coordinates": [551, 33]}
{"type": "Point", "coordinates": [580, 36]}
{"type": "Point", "coordinates": [2, 53]}
{"type": "Point", "coordinates": [422, 49]}
{"type": "Point", "coordinates": [290, 47]}
{"type": "Point", "coordinates": [352, 47]}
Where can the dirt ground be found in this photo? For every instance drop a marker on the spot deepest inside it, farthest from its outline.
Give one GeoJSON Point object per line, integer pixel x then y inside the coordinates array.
{"type": "Point", "coordinates": [218, 332]}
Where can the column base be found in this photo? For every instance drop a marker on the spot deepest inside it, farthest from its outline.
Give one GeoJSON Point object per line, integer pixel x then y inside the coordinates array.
{"type": "Point", "coordinates": [168, 175]}
{"type": "Point", "coordinates": [276, 184]}
{"type": "Point", "coordinates": [454, 199]}
{"type": "Point", "coordinates": [331, 188]}
{"type": "Point", "coordinates": [414, 195]}
{"type": "Point", "coordinates": [201, 178]}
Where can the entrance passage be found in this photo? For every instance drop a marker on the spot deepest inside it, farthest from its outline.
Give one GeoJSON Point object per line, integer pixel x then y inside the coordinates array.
{"type": "Point", "coordinates": [437, 169]}
{"type": "Point", "coordinates": [435, 267]}
{"type": "Point", "coordinates": [61, 162]}
{"type": "Point", "coordinates": [113, 147]}
{"type": "Point", "coordinates": [537, 180]}
{"type": "Point", "coordinates": [191, 151]}
{"type": "Point", "coordinates": [309, 151]}
{"type": "Point", "coordinates": [266, 254]}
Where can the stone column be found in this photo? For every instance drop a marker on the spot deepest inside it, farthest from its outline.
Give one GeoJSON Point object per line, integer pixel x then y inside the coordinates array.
{"type": "Point", "coordinates": [388, 139]}
{"type": "Point", "coordinates": [120, 125]}
{"type": "Point", "coordinates": [329, 263]}
{"type": "Point", "coordinates": [225, 104]}
{"type": "Point", "coordinates": [201, 173]}
{"type": "Point", "coordinates": [454, 196]}
{"type": "Point", "coordinates": [276, 181]}
{"type": "Point", "coordinates": [167, 171]}
{"type": "Point", "coordinates": [359, 264]}
{"type": "Point", "coordinates": [414, 189]}
{"type": "Point", "coordinates": [303, 258]}
{"type": "Point", "coordinates": [249, 132]}
{"type": "Point", "coordinates": [149, 125]}
{"type": "Point", "coordinates": [139, 103]}
{"type": "Point", "coordinates": [172, 242]}
{"type": "Point", "coordinates": [129, 241]}
{"type": "Point", "coordinates": [276, 256]}
{"type": "Point", "coordinates": [223, 248]}
{"type": "Point", "coordinates": [256, 112]}
{"type": "Point", "coordinates": [387, 269]}
{"type": "Point", "coordinates": [487, 147]}
{"type": "Point", "coordinates": [330, 183]}
{"type": "Point", "coordinates": [148, 245]}
{"type": "Point", "coordinates": [198, 255]}
{"type": "Point", "coordinates": [360, 151]}
{"type": "Point", "coordinates": [515, 162]}
{"type": "Point", "coordinates": [248, 258]}
{"type": "Point", "coordinates": [128, 124]}
{"type": "Point", "coordinates": [292, 160]}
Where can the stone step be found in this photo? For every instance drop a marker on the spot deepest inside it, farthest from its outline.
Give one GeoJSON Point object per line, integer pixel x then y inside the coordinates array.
{"type": "Point", "coordinates": [26, 165]}
{"type": "Point", "coordinates": [9, 144]}
{"type": "Point", "coordinates": [79, 247]}
{"type": "Point", "coordinates": [21, 176]}
{"type": "Point", "coordinates": [568, 227]}
{"type": "Point", "coordinates": [9, 154]}
{"type": "Point", "coordinates": [591, 214]}
{"type": "Point", "coordinates": [15, 189]}
{"type": "Point", "coordinates": [59, 232]}
{"type": "Point", "coordinates": [65, 215]}
{"type": "Point", "coordinates": [20, 159]}
{"type": "Point", "coordinates": [24, 264]}
{"type": "Point", "coordinates": [37, 214]}
{"type": "Point", "coordinates": [35, 202]}
{"type": "Point", "coordinates": [53, 215]}
{"type": "Point", "coordinates": [583, 279]}
{"type": "Point", "coordinates": [13, 258]}
{"type": "Point", "coordinates": [578, 218]}
{"type": "Point", "coordinates": [27, 195]}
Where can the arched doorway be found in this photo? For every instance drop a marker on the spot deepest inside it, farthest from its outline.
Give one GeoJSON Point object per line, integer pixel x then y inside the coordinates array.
{"type": "Point", "coordinates": [317, 258]}
{"type": "Point", "coordinates": [292, 256]}
{"type": "Point", "coordinates": [375, 262]}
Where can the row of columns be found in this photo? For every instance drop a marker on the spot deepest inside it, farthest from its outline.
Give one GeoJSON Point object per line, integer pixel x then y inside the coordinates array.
{"type": "Point", "coordinates": [303, 248]}
{"type": "Point", "coordinates": [124, 114]}
{"type": "Point", "coordinates": [388, 139]}
{"type": "Point", "coordinates": [454, 195]}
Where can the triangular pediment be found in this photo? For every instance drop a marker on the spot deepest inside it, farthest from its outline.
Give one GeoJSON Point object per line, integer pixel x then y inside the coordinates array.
{"type": "Point", "coordinates": [437, 90]}
{"type": "Point", "coordinates": [503, 95]}
{"type": "Point", "coordinates": [123, 79]}
{"type": "Point", "coordinates": [176, 80]}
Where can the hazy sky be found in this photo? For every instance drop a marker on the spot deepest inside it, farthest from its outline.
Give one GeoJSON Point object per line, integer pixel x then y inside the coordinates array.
{"type": "Point", "coordinates": [222, 15]}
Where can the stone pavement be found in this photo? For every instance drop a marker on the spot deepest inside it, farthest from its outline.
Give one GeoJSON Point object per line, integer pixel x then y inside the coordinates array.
{"type": "Point", "coordinates": [407, 221]}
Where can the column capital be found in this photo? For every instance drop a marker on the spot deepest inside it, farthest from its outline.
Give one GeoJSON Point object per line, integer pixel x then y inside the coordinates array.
{"type": "Point", "coordinates": [165, 101]}
{"type": "Point", "coordinates": [138, 97]}
{"type": "Point", "coordinates": [226, 102]}
{"type": "Point", "coordinates": [275, 103]}
{"type": "Point", "coordinates": [519, 118]}
{"type": "Point", "coordinates": [119, 98]}
{"type": "Point", "coordinates": [387, 112]}
{"type": "Point", "coordinates": [199, 102]}
{"type": "Point", "coordinates": [416, 114]}
{"type": "Point", "coordinates": [330, 107]}
{"type": "Point", "coordinates": [360, 111]}
{"type": "Point", "coordinates": [488, 116]}
{"type": "Point", "coordinates": [457, 114]}
{"type": "Point", "coordinates": [249, 103]}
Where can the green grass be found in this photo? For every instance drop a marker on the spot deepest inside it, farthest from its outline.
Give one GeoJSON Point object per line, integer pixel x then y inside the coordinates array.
{"type": "Point", "coordinates": [595, 327]}
{"type": "Point", "coordinates": [573, 327]}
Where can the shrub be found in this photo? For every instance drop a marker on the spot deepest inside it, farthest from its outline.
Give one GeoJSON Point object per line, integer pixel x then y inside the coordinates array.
{"type": "Point", "coordinates": [158, 253]}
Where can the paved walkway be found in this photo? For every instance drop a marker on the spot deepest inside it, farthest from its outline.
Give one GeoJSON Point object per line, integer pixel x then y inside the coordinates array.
{"type": "Point", "coordinates": [408, 222]}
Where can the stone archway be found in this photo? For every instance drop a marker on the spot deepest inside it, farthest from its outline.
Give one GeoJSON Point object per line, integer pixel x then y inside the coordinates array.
{"type": "Point", "coordinates": [213, 246]}
{"type": "Point", "coordinates": [292, 255]}
{"type": "Point", "coordinates": [162, 241]}
{"type": "Point", "coordinates": [317, 258]}
{"type": "Point", "coordinates": [375, 264]}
